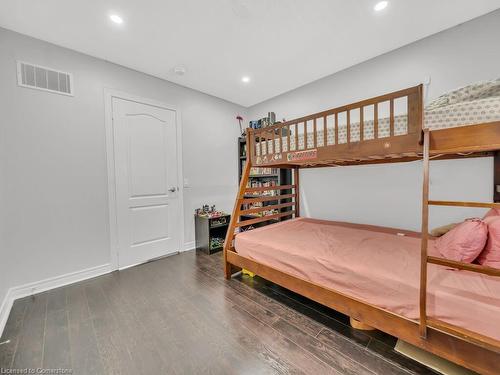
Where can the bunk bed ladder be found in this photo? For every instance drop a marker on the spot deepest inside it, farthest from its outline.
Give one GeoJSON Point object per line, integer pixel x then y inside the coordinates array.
{"type": "Point", "coordinates": [282, 204]}
{"type": "Point", "coordinates": [228, 243]}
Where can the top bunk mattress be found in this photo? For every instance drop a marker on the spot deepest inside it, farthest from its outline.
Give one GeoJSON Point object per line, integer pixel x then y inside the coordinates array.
{"type": "Point", "coordinates": [376, 267]}
{"type": "Point", "coordinates": [466, 113]}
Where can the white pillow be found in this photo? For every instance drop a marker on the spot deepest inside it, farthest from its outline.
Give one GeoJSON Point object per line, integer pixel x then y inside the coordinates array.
{"type": "Point", "coordinates": [479, 90]}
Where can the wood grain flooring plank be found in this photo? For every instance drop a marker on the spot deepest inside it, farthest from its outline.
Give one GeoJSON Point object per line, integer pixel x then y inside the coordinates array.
{"type": "Point", "coordinates": [29, 353]}
{"type": "Point", "coordinates": [56, 345]}
{"type": "Point", "coordinates": [111, 340]}
{"type": "Point", "coordinates": [56, 299]}
{"type": "Point", "coordinates": [139, 342]}
{"type": "Point", "coordinates": [208, 304]}
{"type": "Point", "coordinates": [336, 321]}
{"type": "Point", "coordinates": [204, 352]}
{"type": "Point", "coordinates": [266, 319]}
{"type": "Point", "coordinates": [164, 317]}
{"type": "Point", "coordinates": [370, 360]}
{"type": "Point", "coordinates": [310, 326]}
{"type": "Point", "coordinates": [215, 342]}
{"type": "Point", "coordinates": [10, 335]}
{"type": "Point", "coordinates": [304, 307]}
{"type": "Point", "coordinates": [283, 346]}
{"type": "Point", "coordinates": [248, 340]}
{"type": "Point", "coordinates": [222, 341]}
{"type": "Point", "coordinates": [258, 311]}
{"type": "Point", "coordinates": [343, 363]}
{"type": "Point", "coordinates": [85, 358]}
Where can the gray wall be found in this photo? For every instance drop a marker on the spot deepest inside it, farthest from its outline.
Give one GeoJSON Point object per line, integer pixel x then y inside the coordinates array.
{"type": "Point", "coordinates": [391, 194]}
{"type": "Point", "coordinates": [53, 159]}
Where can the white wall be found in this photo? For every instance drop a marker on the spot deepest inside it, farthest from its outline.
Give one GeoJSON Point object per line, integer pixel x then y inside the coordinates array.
{"type": "Point", "coordinates": [53, 161]}
{"type": "Point", "coordinates": [390, 195]}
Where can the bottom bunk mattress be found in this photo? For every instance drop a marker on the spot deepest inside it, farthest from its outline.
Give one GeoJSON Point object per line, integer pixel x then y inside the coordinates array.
{"type": "Point", "coordinates": [376, 266]}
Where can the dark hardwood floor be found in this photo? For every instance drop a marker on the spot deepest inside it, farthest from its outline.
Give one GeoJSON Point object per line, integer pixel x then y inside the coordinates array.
{"type": "Point", "coordinates": [178, 315]}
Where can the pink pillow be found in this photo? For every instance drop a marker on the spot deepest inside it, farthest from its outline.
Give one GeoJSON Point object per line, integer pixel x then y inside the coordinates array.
{"type": "Point", "coordinates": [464, 242]}
{"type": "Point", "coordinates": [490, 256]}
{"type": "Point", "coordinates": [492, 212]}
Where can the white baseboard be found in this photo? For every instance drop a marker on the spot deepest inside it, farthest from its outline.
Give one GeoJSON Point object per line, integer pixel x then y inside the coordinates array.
{"type": "Point", "coordinates": [44, 285]}
{"type": "Point", "coordinates": [5, 310]}
{"type": "Point", "coordinates": [189, 246]}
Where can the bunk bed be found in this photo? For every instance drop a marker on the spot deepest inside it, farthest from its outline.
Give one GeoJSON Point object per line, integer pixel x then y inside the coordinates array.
{"type": "Point", "coordinates": [386, 278]}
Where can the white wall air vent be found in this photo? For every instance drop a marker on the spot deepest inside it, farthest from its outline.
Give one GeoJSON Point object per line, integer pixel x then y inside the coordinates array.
{"type": "Point", "coordinates": [42, 78]}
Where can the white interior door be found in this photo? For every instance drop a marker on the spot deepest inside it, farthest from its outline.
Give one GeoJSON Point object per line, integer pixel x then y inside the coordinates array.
{"type": "Point", "coordinates": [147, 206]}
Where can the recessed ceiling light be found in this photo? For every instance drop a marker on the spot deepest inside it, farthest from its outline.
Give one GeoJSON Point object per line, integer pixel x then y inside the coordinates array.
{"type": "Point", "coordinates": [381, 5]}
{"type": "Point", "coordinates": [116, 18]}
{"type": "Point", "coordinates": [245, 79]}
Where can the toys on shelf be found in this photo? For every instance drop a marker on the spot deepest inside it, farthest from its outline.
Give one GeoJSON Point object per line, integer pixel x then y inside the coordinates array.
{"type": "Point", "coordinates": [216, 243]}
{"type": "Point", "coordinates": [263, 122]}
{"type": "Point", "coordinates": [209, 211]}
{"type": "Point", "coordinates": [210, 226]}
{"type": "Point", "coordinates": [218, 221]}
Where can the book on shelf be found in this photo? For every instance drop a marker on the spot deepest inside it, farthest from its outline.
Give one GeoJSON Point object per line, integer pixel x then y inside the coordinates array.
{"type": "Point", "coordinates": [265, 213]}
{"type": "Point", "coordinates": [254, 171]}
{"type": "Point", "coordinates": [256, 183]}
{"type": "Point", "coordinates": [249, 206]}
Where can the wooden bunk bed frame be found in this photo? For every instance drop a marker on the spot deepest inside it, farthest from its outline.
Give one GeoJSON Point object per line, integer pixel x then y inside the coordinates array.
{"type": "Point", "coordinates": [466, 348]}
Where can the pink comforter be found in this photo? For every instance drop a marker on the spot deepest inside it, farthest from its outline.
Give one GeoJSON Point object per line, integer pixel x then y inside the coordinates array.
{"type": "Point", "coordinates": [375, 267]}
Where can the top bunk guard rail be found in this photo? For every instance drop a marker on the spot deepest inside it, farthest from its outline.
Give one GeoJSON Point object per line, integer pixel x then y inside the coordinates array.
{"type": "Point", "coordinates": [283, 203]}
{"type": "Point", "coordinates": [360, 132]}
{"type": "Point", "coordinates": [384, 129]}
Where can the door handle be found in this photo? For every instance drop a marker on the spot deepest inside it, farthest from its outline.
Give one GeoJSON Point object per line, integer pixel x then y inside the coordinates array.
{"type": "Point", "coordinates": [172, 189]}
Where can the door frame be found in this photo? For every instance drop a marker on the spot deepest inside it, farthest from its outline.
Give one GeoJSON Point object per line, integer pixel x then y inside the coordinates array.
{"type": "Point", "coordinates": [109, 94]}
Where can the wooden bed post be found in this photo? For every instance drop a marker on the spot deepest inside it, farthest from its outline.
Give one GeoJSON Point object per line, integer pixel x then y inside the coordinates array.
{"type": "Point", "coordinates": [297, 191]}
{"type": "Point", "coordinates": [424, 238]}
{"type": "Point", "coordinates": [228, 243]}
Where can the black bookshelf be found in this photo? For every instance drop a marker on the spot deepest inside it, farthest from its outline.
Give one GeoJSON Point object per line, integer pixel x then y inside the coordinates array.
{"type": "Point", "coordinates": [207, 229]}
{"type": "Point", "coordinates": [278, 177]}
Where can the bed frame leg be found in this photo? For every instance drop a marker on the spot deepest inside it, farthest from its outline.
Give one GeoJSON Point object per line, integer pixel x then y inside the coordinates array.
{"type": "Point", "coordinates": [230, 270]}
{"type": "Point", "coordinates": [356, 324]}
{"type": "Point", "coordinates": [227, 270]}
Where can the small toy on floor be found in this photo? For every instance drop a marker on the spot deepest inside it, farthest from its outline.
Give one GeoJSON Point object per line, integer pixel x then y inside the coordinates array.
{"type": "Point", "coordinates": [247, 272]}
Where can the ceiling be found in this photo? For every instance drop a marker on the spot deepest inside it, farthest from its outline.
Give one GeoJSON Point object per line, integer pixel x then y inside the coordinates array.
{"type": "Point", "coordinates": [278, 44]}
